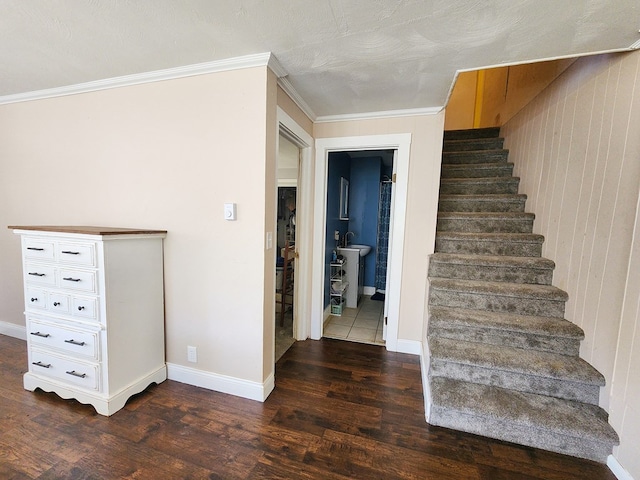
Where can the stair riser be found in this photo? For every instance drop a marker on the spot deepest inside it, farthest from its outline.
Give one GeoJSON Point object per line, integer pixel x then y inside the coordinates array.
{"type": "Point", "coordinates": [515, 204]}
{"type": "Point", "coordinates": [497, 225]}
{"type": "Point", "coordinates": [490, 273]}
{"type": "Point", "coordinates": [488, 248]}
{"type": "Point", "coordinates": [520, 382]}
{"type": "Point", "coordinates": [476, 172]}
{"type": "Point", "coordinates": [492, 336]}
{"type": "Point", "coordinates": [497, 303]}
{"type": "Point", "coordinates": [508, 185]}
{"type": "Point", "coordinates": [521, 434]}
{"type": "Point", "coordinates": [472, 133]}
{"type": "Point", "coordinates": [477, 157]}
{"type": "Point", "coordinates": [474, 144]}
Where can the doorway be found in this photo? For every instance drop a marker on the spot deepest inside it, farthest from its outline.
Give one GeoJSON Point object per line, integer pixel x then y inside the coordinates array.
{"type": "Point", "coordinates": [401, 144]}
{"type": "Point", "coordinates": [358, 206]}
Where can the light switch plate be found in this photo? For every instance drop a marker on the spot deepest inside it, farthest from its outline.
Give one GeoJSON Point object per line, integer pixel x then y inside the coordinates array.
{"type": "Point", "coordinates": [229, 211]}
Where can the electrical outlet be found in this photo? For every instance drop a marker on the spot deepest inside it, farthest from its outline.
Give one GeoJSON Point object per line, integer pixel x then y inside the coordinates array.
{"type": "Point", "coordinates": [336, 235]}
{"type": "Point", "coordinates": [192, 354]}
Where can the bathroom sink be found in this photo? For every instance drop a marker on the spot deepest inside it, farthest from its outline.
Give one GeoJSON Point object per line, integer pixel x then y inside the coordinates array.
{"type": "Point", "coordinates": [364, 249]}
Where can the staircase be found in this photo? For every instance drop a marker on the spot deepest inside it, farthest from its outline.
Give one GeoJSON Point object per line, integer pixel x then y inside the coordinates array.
{"type": "Point", "coordinates": [503, 361]}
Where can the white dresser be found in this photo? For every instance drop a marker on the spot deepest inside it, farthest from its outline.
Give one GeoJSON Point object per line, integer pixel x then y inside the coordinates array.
{"type": "Point", "coordinates": [94, 307]}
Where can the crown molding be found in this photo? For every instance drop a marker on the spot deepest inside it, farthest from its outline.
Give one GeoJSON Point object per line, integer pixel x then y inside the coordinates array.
{"type": "Point", "coordinates": [288, 88]}
{"type": "Point", "coordinates": [236, 63]}
{"type": "Point", "coordinates": [410, 112]}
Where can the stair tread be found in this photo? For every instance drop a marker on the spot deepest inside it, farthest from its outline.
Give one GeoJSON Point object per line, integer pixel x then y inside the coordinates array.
{"type": "Point", "coordinates": [516, 360]}
{"type": "Point", "coordinates": [504, 322]}
{"type": "Point", "coordinates": [485, 132]}
{"type": "Point", "coordinates": [477, 166]}
{"type": "Point", "coordinates": [486, 215]}
{"type": "Point", "coordinates": [493, 237]}
{"type": "Point", "coordinates": [480, 180]}
{"type": "Point", "coordinates": [523, 290]}
{"type": "Point", "coordinates": [493, 260]}
{"type": "Point", "coordinates": [526, 410]}
{"type": "Point", "coordinates": [483, 197]}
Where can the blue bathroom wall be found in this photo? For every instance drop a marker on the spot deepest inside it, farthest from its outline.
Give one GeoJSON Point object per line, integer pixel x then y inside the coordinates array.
{"type": "Point", "coordinates": [364, 192]}
{"type": "Point", "coordinates": [339, 166]}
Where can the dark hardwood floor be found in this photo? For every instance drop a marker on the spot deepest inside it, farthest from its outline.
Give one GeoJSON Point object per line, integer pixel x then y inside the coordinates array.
{"type": "Point", "coordinates": [340, 410]}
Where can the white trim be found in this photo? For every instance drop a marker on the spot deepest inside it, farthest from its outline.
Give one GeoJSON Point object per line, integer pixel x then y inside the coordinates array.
{"type": "Point", "coordinates": [221, 383]}
{"type": "Point", "coordinates": [402, 143]}
{"type": "Point", "coordinates": [13, 330]}
{"type": "Point", "coordinates": [412, 347]}
{"type": "Point", "coordinates": [425, 363]}
{"type": "Point", "coordinates": [304, 228]}
{"type": "Point", "coordinates": [288, 88]}
{"type": "Point", "coordinates": [237, 63]}
{"type": "Point", "coordinates": [409, 112]}
{"type": "Point", "coordinates": [617, 469]}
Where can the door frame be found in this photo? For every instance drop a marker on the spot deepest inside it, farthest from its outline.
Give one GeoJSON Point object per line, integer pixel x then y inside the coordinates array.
{"type": "Point", "coordinates": [402, 144]}
{"type": "Point", "coordinates": [289, 128]}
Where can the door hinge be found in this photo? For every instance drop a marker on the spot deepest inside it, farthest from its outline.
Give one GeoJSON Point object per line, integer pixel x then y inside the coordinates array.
{"type": "Point", "coordinates": [385, 320]}
{"type": "Point", "coordinates": [393, 178]}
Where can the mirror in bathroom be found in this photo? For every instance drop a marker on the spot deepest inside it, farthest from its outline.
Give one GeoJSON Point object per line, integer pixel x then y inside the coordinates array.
{"type": "Point", "coordinates": [344, 199]}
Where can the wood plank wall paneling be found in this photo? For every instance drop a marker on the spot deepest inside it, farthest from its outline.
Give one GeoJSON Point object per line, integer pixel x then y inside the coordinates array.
{"type": "Point", "coordinates": [576, 148]}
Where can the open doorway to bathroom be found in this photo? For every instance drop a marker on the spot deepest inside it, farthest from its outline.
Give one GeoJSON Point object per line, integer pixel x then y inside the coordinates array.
{"type": "Point", "coordinates": [358, 218]}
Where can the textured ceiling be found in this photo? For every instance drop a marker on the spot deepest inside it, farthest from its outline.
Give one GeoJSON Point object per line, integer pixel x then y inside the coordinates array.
{"type": "Point", "coordinates": [341, 56]}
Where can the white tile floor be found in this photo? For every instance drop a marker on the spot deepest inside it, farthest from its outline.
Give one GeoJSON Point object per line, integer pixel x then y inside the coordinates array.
{"type": "Point", "coordinates": [362, 324]}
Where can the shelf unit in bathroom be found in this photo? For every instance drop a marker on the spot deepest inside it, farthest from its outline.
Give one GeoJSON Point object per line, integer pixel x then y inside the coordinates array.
{"type": "Point", "coordinates": [339, 285]}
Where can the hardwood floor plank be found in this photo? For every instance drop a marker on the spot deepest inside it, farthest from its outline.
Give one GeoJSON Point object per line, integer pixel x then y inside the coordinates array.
{"type": "Point", "coordinates": [339, 410]}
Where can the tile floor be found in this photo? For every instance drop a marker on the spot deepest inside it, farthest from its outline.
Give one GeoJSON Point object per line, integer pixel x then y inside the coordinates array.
{"type": "Point", "coordinates": [362, 324]}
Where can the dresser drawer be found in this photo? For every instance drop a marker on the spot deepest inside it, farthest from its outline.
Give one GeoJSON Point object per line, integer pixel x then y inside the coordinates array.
{"type": "Point", "coordinates": [67, 339]}
{"type": "Point", "coordinates": [34, 249]}
{"type": "Point", "coordinates": [36, 298]}
{"type": "Point", "coordinates": [83, 307]}
{"type": "Point", "coordinates": [76, 253]}
{"type": "Point", "coordinates": [78, 280]}
{"type": "Point", "coordinates": [58, 303]}
{"type": "Point", "coordinates": [40, 274]}
{"type": "Point", "coordinates": [82, 374]}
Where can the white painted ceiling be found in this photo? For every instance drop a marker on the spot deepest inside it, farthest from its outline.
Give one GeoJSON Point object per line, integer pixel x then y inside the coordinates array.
{"type": "Point", "coordinates": [341, 56]}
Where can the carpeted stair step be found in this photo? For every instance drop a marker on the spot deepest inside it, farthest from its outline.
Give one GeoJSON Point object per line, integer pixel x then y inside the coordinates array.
{"type": "Point", "coordinates": [475, 156]}
{"type": "Point", "coordinates": [477, 170]}
{"type": "Point", "coordinates": [512, 244]}
{"type": "Point", "coordinates": [545, 373]}
{"type": "Point", "coordinates": [545, 334]}
{"type": "Point", "coordinates": [563, 426]}
{"type": "Point", "coordinates": [534, 270]}
{"type": "Point", "coordinates": [472, 186]}
{"type": "Point", "coordinates": [473, 144]}
{"type": "Point", "coordinates": [465, 134]}
{"type": "Point", "coordinates": [482, 203]}
{"type": "Point", "coordinates": [485, 222]}
{"type": "Point", "coordinates": [516, 298]}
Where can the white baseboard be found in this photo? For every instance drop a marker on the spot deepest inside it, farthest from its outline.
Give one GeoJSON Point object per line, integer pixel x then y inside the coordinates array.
{"type": "Point", "coordinates": [425, 360]}
{"type": "Point", "coordinates": [13, 330]}
{"type": "Point", "coordinates": [413, 347]}
{"type": "Point", "coordinates": [221, 383]}
{"type": "Point", "coordinates": [617, 469]}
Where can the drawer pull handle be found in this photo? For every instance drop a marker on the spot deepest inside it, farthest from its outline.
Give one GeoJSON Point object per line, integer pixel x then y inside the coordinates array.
{"type": "Point", "coordinates": [36, 274]}
{"type": "Point", "coordinates": [81, 307]}
{"type": "Point", "coordinates": [76, 374]}
{"type": "Point", "coordinates": [55, 304]}
{"type": "Point", "coordinates": [70, 279]}
{"type": "Point", "coordinates": [43, 335]}
{"type": "Point", "coordinates": [43, 365]}
{"type": "Point", "coordinates": [75, 342]}
{"type": "Point", "coordinates": [36, 249]}
{"type": "Point", "coordinates": [34, 299]}
{"type": "Point", "coordinates": [69, 252]}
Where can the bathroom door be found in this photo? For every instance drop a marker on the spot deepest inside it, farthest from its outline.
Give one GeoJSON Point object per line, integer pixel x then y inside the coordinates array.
{"type": "Point", "coordinates": [389, 259]}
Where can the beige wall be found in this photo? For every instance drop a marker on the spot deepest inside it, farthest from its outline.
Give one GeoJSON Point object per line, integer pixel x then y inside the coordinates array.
{"type": "Point", "coordinates": [161, 155]}
{"type": "Point", "coordinates": [421, 208]}
{"type": "Point", "coordinates": [577, 149]}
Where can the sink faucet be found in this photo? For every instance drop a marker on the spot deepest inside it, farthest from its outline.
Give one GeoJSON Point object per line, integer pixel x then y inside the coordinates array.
{"type": "Point", "coordinates": [346, 238]}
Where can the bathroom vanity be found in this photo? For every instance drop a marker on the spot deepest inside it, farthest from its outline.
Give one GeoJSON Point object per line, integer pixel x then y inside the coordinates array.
{"type": "Point", "coordinates": [94, 308]}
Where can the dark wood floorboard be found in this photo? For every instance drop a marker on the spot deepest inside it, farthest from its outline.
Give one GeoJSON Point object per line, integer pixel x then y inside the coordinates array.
{"type": "Point", "coordinates": [340, 410]}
